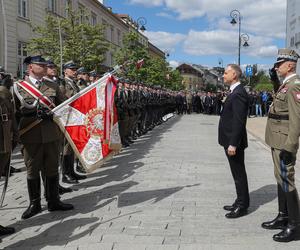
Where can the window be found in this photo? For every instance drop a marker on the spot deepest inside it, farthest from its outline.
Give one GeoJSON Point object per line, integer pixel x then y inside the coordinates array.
{"type": "Point", "coordinates": [112, 37]}
{"type": "Point", "coordinates": [93, 19]}
{"type": "Point", "coordinates": [81, 13]}
{"type": "Point", "coordinates": [52, 5]}
{"type": "Point", "coordinates": [119, 37]}
{"type": "Point", "coordinates": [22, 8]}
{"type": "Point", "coordinates": [22, 53]}
{"type": "Point", "coordinates": [67, 7]}
{"type": "Point", "coordinates": [104, 23]}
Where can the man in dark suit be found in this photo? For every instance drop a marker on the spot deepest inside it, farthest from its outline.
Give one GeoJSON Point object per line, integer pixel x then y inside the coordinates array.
{"type": "Point", "coordinates": [233, 137]}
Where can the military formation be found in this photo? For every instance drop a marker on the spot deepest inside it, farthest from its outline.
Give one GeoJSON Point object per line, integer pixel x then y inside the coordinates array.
{"type": "Point", "coordinates": [26, 119]}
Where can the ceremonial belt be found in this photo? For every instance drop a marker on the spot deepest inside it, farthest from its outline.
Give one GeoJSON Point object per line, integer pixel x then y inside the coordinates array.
{"type": "Point", "coordinates": [278, 117]}
{"type": "Point", "coordinates": [38, 95]}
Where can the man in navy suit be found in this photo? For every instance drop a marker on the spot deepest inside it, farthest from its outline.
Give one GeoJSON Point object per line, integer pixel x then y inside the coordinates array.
{"type": "Point", "coordinates": [233, 137]}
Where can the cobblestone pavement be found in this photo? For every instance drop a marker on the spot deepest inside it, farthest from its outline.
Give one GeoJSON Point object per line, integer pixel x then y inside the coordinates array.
{"type": "Point", "coordinates": [164, 192]}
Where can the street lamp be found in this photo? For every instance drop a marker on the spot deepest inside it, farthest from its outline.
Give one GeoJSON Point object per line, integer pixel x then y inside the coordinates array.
{"type": "Point", "coordinates": [220, 60]}
{"type": "Point", "coordinates": [141, 22]}
{"type": "Point", "coordinates": [236, 18]}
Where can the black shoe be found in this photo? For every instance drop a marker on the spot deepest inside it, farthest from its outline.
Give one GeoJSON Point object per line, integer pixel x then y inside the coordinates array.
{"type": "Point", "coordinates": [33, 209]}
{"type": "Point", "coordinates": [69, 179]}
{"type": "Point", "coordinates": [59, 206]}
{"type": "Point", "coordinates": [6, 230]}
{"type": "Point", "coordinates": [63, 190]}
{"type": "Point", "coordinates": [78, 177]}
{"type": "Point", "coordinates": [280, 222]}
{"type": "Point", "coordinates": [229, 207]}
{"type": "Point", "coordinates": [125, 145]}
{"type": "Point", "coordinates": [236, 213]}
{"type": "Point", "coordinates": [14, 170]}
{"type": "Point", "coordinates": [291, 232]}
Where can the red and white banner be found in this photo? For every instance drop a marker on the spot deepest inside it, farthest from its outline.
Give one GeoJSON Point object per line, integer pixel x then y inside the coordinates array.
{"type": "Point", "coordinates": [90, 123]}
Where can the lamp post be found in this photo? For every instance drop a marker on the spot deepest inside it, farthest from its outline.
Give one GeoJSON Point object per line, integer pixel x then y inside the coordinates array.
{"type": "Point", "coordinates": [236, 18]}
{"type": "Point", "coordinates": [141, 22]}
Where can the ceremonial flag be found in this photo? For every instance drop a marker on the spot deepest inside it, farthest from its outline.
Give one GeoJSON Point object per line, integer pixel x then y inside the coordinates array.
{"type": "Point", "coordinates": [89, 122]}
{"type": "Point", "coordinates": [139, 63]}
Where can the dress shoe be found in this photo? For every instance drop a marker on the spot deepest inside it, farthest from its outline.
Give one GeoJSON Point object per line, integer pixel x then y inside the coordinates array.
{"type": "Point", "coordinates": [236, 213]}
{"type": "Point", "coordinates": [63, 190]}
{"type": "Point", "coordinates": [79, 176]}
{"type": "Point", "coordinates": [69, 179]}
{"type": "Point", "coordinates": [6, 230]}
{"type": "Point", "coordinates": [229, 207]}
{"type": "Point", "coordinates": [57, 205]}
{"type": "Point", "coordinates": [33, 209]}
{"type": "Point", "coordinates": [291, 232]}
{"type": "Point", "coordinates": [280, 222]}
{"type": "Point", "coordinates": [14, 170]}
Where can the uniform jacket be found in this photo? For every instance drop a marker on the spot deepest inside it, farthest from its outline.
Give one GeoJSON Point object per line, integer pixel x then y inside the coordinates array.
{"type": "Point", "coordinates": [8, 126]}
{"type": "Point", "coordinates": [70, 87]}
{"type": "Point", "coordinates": [27, 107]}
{"type": "Point", "coordinates": [232, 124]}
{"type": "Point", "coordinates": [283, 133]}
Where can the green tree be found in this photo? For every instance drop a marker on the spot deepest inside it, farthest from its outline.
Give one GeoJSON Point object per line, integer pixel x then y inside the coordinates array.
{"type": "Point", "coordinates": [83, 43]}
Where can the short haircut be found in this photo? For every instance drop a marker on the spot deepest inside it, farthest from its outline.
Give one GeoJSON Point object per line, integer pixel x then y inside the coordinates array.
{"type": "Point", "coordinates": [237, 70]}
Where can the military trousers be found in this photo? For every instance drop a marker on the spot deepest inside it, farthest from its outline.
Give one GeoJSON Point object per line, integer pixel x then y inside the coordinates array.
{"type": "Point", "coordinates": [41, 157]}
{"type": "Point", "coordinates": [284, 174]}
{"type": "Point", "coordinates": [4, 161]}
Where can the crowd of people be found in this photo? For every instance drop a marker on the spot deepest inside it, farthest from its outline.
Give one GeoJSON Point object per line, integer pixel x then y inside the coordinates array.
{"type": "Point", "coordinates": [211, 103]}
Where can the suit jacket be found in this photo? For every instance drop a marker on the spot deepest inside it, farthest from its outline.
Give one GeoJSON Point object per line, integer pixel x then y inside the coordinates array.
{"type": "Point", "coordinates": [232, 124]}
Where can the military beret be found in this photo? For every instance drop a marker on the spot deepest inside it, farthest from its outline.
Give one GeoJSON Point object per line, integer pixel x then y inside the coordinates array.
{"type": "Point", "coordinates": [70, 65]}
{"type": "Point", "coordinates": [287, 55]}
{"type": "Point", "coordinates": [82, 70]}
{"type": "Point", "coordinates": [35, 60]}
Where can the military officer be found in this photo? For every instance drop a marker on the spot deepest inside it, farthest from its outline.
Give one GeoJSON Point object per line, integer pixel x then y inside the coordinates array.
{"type": "Point", "coordinates": [41, 141]}
{"type": "Point", "coordinates": [282, 135]}
{"type": "Point", "coordinates": [83, 77]}
{"type": "Point", "coordinates": [70, 89]}
{"type": "Point", "coordinates": [8, 129]}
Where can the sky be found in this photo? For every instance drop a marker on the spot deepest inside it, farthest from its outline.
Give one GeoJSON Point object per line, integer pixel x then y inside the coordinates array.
{"type": "Point", "coordinates": [200, 32]}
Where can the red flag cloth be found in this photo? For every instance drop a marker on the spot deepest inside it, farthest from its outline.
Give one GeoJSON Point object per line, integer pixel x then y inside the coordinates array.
{"type": "Point", "coordinates": [139, 63]}
{"type": "Point", "coordinates": [89, 121]}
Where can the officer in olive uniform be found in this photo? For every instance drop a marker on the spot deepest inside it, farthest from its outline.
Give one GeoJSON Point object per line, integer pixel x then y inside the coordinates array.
{"type": "Point", "coordinates": [282, 135]}
{"type": "Point", "coordinates": [40, 142]}
{"type": "Point", "coordinates": [70, 89]}
{"type": "Point", "coordinates": [83, 78]}
{"type": "Point", "coordinates": [8, 129]}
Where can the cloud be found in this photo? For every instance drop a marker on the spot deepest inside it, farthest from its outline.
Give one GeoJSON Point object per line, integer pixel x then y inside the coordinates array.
{"type": "Point", "coordinates": [174, 64]}
{"type": "Point", "coordinates": [221, 42]}
{"type": "Point", "coordinates": [147, 3]}
{"type": "Point", "coordinates": [164, 14]}
{"type": "Point", "coordinates": [165, 40]}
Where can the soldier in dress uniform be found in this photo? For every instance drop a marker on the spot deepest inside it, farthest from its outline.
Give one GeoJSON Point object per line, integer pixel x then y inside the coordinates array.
{"type": "Point", "coordinates": [94, 76]}
{"type": "Point", "coordinates": [40, 141]}
{"type": "Point", "coordinates": [70, 89]}
{"type": "Point", "coordinates": [282, 135]}
{"type": "Point", "coordinates": [83, 77]}
{"type": "Point", "coordinates": [8, 129]}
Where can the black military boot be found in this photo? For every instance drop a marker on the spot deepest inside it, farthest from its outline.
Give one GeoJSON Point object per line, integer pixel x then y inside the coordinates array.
{"type": "Point", "coordinates": [6, 230]}
{"type": "Point", "coordinates": [53, 198]}
{"type": "Point", "coordinates": [291, 232]}
{"type": "Point", "coordinates": [281, 221]}
{"type": "Point", "coordinates": [68, 167]}
{"type": "Point", "coordinates": [63, 190]}
{"type": "Point", "coordinates": [34, 191]}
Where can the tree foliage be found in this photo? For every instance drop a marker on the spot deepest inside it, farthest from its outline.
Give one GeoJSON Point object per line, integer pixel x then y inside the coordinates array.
{"type": "Point", "coordinates": [83, 43]}
{"type": "Point", "coordinates": [155, 71]}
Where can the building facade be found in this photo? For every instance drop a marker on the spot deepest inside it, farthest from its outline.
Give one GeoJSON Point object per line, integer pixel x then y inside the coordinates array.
{"type": "Point", "coordinates": [192, 77]}
{"type": "Point", "coordinates": [18, 16]}
{"type": "Point", "coordinates": [293, 27]}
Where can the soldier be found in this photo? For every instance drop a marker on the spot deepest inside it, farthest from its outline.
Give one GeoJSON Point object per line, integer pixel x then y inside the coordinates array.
{"type": "Point", "coordinates": [39, 135]}
{"type": "Point", "coordinates": [8, 129]}
{"type": "Point", "coordinates": [282, 135]}
{"type": "Point", "coordinates": [70, 89]}
{"type": "Point", "coordinates": [51, 75]}
{"type": "Point", "coordinates": [83, 78]}
{"type": "Point", "coordinates": [94, 76]}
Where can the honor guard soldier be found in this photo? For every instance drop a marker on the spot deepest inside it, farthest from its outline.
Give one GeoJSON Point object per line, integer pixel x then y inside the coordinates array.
{"type": "Point", "coordinates": [39, 135]}
{"type": "Point", "coordinates": [94, 76]}
{"type": "Point", "coordinates": [83, 78]}
{"type": "Point", "coordinates": [8, 130]}
{"type": "Point", "coordinates": [70, 89]}
{"type": "Point", "coordinates": [282, 135]}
